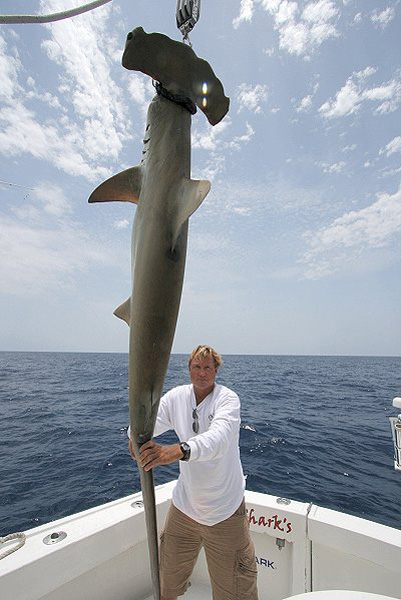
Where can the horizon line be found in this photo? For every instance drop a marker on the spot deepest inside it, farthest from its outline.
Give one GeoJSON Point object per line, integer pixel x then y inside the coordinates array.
{"type": "Point", "coordinates": [222, 353]}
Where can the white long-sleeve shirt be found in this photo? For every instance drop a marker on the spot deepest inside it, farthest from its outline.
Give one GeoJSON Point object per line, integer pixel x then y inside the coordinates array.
{"type": "Point", "coordinates": [211, 484]}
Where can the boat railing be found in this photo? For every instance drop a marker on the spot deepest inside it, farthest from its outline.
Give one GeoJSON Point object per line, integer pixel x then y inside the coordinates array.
{"type": "Point", "coordinates": [395, 423]}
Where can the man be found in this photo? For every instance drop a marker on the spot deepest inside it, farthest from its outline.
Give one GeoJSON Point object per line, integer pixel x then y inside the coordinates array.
{"type": "Point", "coordinates": [208, 501]}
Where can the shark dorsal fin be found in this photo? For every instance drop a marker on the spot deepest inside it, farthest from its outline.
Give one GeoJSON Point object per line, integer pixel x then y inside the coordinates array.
{"type": "Point", "coordinates": [124, 311]}
{"type": "Point", "coordinates": [125, 186]}
{"type": "Point", "coordinates": [192, 193]}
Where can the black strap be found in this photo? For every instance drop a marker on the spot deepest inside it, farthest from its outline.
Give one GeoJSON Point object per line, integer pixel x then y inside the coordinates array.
{"type": "Point", "coordinates": [183, 101]}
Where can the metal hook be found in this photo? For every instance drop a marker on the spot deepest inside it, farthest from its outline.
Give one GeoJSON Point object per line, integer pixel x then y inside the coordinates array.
{"type": "Point", "coordinates": [187, 15]}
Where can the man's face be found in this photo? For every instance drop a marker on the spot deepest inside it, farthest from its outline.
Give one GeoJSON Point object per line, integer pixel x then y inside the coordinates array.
{"type": "Point", "coordinates": [202, 372]}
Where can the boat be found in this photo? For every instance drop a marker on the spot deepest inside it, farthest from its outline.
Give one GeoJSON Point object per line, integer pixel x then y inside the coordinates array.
{"type": "Point", "coordinates": [302, 551]}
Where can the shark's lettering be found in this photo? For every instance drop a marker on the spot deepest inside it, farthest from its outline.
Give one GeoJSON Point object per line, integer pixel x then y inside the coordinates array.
{"type": "Point", "coordinates": [264, 562]}
{"type": "Point", "coordinates": [271, 522]}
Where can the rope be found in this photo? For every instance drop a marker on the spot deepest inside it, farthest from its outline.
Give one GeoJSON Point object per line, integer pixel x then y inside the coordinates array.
{"type": "Point", "coordinates": [14, 184]}
{"type": "Point", "coordinates": [9, 538]}
{"type": "Point", "coordinates": [66, 14]}
{"type": "Point", "coordinates": [183, 101]}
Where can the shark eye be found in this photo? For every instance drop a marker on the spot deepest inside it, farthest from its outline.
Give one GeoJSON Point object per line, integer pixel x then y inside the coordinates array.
{"type": "Point", "coordinates": [129, 36]}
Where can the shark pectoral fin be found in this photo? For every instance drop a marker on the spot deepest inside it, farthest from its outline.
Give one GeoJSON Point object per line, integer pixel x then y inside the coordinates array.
{"type": "Point", "coordinates": [125, 186]}
{"type": "Point", "coordinates": [124, 311]}
{"type": "Point", "coordinates": [192, 194]}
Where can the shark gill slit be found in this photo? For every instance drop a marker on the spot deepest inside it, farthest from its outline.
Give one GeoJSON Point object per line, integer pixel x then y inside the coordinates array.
{"type": "Point", "coordinates": [173, 253]}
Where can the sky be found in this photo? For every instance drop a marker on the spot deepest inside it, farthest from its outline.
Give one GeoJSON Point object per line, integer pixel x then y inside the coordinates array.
{"type": "Point", "coordinates": [296, 249]}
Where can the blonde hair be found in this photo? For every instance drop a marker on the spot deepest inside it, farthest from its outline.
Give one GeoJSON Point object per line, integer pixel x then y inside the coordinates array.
{"type": "Point", "coordinates": [204, 351]}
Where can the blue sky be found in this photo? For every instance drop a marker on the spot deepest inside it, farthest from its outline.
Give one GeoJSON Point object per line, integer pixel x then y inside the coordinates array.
{"type": "Point", "coordinates": [296, 250]}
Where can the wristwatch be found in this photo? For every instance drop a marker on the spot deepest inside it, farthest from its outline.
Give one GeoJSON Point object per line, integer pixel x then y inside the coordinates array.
{"type": "Point", "coordinates": [186, 451]}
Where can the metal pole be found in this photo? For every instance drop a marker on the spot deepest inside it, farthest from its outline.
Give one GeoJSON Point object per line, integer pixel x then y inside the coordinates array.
{"type": "Point", "coordinates": [66, 14]}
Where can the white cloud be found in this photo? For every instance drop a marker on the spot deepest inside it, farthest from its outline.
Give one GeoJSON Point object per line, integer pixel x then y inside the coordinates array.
{"type": "Point", "coordinates": [245, 13]}
{"type": "Point", "coordinates": [251, 97]}
{"type": "Point", "coordinates": [9, 67]}
{"type": "Point", "coordinates": [242, 210]}
{"type": "Point", "coordinates": [319, 12]}
{"type": "Point", "coordinates": [216, 142]}
{"type": "Point", "coordinates": [384, 17]}
{"type": "Point", "coordinates": [23, 134]}
{"type": "Point", "coordinates": [367, 72]}
{"type": "Point", "coordinates": [121, 224]}
{"type": "Point", "coordinates": [212, 167]}
{"type": "Point", "coordinates": [300, 31]}
{"type": "Point", "coordinates": [268, 51]}
{"type": "Point", "coordinates": [86, 123]}
{"type": "Point", "coordinates": [389, 93]}
{"type": "Point", "coordinates": [349, 148]}
{"type": "Point", "coordinates": [42, 96]}
{"type": "Point", "coordinates": [239, 140]}
{"type": "Point", "coordinates": [354, 93]}
{"type": "Point", "coordinates": [305, 104]}
{"type": "Point", "coordinates": [39, 250]}
{"type": "Point", "coordinates": [315, 25]}
{"type": "Point", "coordinates": [369, 228]}
{"type": "Point", "coordinates": [286, 11]}
{"type": "Point", "coordinates": [347, 102]}
{"type": "Point", "coordinates": [391, 172]}
{"type": "Point", "coordinates": [333, 168]}
{"type": "Point", "coordinates": [392, 147]}
{"type": "Point", "coordinates": [210, 137]}
{"type": "Point", "coordinates": [141, 90]}
{"type": "Point", "coordinates": [53, 199]}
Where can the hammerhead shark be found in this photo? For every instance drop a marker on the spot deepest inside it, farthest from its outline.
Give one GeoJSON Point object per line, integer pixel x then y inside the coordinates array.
{"type": "Point", "coordinates": [166, 197]}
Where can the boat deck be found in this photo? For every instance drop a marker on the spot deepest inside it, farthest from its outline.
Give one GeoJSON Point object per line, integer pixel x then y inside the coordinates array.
{"type": "Point", "coordinates": [195, 592]}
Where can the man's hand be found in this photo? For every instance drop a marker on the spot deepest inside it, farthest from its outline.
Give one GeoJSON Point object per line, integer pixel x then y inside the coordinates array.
{"type": "Point", "coordinates": [152, 454]}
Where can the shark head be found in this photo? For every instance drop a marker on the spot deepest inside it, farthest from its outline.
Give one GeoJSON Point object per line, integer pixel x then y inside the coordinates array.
{"type": "Point", "coordinates": [176, 66]}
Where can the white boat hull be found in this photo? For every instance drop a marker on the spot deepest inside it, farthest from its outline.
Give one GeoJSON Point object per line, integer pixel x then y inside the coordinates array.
{"type": "Point", "coordinates": [300, 548]}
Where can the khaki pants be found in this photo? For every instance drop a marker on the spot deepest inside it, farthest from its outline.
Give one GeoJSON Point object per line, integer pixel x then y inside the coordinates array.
{"type": "Point", "coordinates": [229, 553]}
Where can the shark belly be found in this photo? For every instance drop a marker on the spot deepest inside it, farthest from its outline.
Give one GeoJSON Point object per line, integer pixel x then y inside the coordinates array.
{"type": "Point", "coordinates": [158, 279]}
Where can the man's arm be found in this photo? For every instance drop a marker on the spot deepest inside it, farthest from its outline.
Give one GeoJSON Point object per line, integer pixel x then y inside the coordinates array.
{"type": "Point", "coordinates": [224, 427]}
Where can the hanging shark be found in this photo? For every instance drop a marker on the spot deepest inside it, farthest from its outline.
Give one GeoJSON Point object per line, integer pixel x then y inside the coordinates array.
{"type": "Point", "coordinates": [166, 197]}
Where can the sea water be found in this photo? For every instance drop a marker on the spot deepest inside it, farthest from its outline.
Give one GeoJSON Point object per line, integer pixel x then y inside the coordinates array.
{"type": "Point", "coordinates": [314, 429]}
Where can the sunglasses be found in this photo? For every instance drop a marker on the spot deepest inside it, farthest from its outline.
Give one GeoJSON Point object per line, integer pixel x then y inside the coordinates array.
{"type": "Point", "coordinates": [195, 424]}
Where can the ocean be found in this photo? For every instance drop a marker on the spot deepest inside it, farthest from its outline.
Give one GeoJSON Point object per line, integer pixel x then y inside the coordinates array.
{"type": "Point", "coordinates": [314, 429]}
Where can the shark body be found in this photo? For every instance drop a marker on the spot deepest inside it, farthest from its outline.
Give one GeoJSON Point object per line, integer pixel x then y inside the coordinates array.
{"type": "Point", "coordinates": [166, 198]}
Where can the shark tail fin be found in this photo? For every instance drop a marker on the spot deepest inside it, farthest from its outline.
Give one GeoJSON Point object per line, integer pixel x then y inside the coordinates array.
{"type": "Point", "coordinates": [192, 194]}
{"type": "Point", "coordinates": [125, 186]}
{"type": "Point", "coordinates": [124, 311]}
